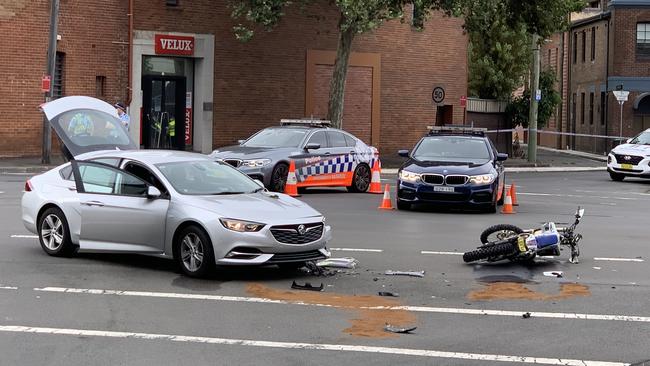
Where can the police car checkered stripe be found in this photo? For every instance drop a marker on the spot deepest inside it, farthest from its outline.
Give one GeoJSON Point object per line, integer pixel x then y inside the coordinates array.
{"type": "Point", "coordinates": [340, 164]}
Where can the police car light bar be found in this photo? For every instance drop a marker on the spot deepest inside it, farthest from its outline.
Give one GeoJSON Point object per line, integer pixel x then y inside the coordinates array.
{"type": "Point", "coordinates": [457, 129]}
{"type": "Point", "coordinates": [305, 122]}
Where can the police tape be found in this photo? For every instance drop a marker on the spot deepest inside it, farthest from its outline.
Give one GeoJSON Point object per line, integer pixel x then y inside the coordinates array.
{"type": "Point", "coordinates": [561, 133]}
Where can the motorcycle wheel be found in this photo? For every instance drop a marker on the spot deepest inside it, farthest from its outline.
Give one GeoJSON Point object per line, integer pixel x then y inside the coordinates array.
{"type": "Point", "coordinates": [489, 251]}
{"type": "Point", "coordinates": [503, 231]}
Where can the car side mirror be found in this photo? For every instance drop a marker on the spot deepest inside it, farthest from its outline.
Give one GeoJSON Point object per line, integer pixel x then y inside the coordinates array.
{"type": "Point", "coordinates": [259, 183]}
{"type": "Point", "coordinates": [502, 157]}
{"type": "Point", "coordinates": [628, 141]}
{"type": "Point", "coordinates": [241, 141]}
{"type": "Point", "coordinates": [403, 153]}
{"type": "Point", "coordinates": [312, 146]}
{"type": "Point", "coordinates": [153, 192]}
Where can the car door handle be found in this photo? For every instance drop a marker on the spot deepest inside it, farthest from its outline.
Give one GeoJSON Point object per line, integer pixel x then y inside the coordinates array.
{"type": "Point", "coordinates": [93, 203]}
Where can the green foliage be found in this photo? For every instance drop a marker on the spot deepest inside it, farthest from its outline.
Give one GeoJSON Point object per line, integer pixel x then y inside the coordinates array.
{"type": "Point", "coordinates": [518, 109]}
{"type": "Point", "coordinates": [499, 55]}
{"type": "Point", "coordinates": [543, 17]}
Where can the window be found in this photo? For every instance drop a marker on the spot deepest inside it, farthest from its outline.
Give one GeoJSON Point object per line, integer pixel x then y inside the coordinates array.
{"type": "Point", "coordinates": [100, 86]}
{"type": "Point", "coordinates": [106, 180]}
{"type": "Point", "coordinates": [575, 47]}
{"type": "Point", "coordinates": [144, 174]}
{"type": "Point", "coordinates": [573, 107]}
{"type": "Point", "coordinates": [172, 2]}
{"type": "Point", "coordinates": [57, 83]}
{"type": "Point", "coordinates": [66, 173]}
{"type": "Point", "coordinates": [417, 20]}
{"type": "Point", "coordinates": [337, 139]}
{"type": "Point", "coordinates": [643, 39]}
{"type": "Point", "coordinates": [603, 101]}
{"type": "Point", "coordinates": [591, 108]}
{"type": "Point", "coordinates": [584, 46]}
{"type": "Point", "coordinates": [593, 43]}
{"type": "Point", "coordinates": [350, 141]}
{"type": "Point", "coordinates": [549, 57]}
{"type": "Point", "coordinates": [582, 109]}
{"type": "Point", "coordinates": [319, 138]}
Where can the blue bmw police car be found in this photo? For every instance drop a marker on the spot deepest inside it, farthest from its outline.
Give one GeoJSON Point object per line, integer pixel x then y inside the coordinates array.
{"type": "Point", "coordinates": [452, 166]}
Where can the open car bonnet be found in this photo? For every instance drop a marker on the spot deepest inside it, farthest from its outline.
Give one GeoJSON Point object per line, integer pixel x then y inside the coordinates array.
{"type": "Point", "coordinates": [86, 124]}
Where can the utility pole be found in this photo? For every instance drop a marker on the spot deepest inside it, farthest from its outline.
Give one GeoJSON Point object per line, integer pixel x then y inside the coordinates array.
{"type": "Point", "coordinates": [535, 97]}
{"type": "Point", "coordinates": [51, 65]}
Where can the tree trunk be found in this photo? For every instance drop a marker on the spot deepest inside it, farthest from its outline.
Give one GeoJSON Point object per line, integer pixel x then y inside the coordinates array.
{"type": "Point", "coordinates": [337, 86]}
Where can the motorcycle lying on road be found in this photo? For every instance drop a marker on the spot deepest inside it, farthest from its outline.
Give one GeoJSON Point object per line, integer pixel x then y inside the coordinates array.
{"type": "Point", "coordinates": [509, 242]}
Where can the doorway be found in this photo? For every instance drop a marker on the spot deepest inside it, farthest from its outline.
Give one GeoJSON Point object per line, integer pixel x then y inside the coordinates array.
{"type": "Point", "coordinates": [163, 112]}
{"type": "Point", "coordinates": [445, 115]}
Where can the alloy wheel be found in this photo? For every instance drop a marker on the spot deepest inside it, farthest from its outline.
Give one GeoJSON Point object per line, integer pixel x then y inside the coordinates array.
{"type": "Point", "coordinates": [52, 232]}
{"type": "Point", "coordinates": [362, 178]}
{"type": "Point", "coordinates": [192, 252]}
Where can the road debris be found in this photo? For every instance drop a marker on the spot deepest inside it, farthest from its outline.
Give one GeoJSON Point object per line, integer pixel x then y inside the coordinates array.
{"type": "Point", "coordinates": [394, 329]}
{"type": "Point", "coordinates": [307, 287]}
{"type": "Point", "coordinates": [388, 293]}
{"type": "Point", "coordinates": [347, 262]}
{"type": "Point", "coordinates": [526, 315]}
{"type": "Point", "coordinates": [313, 269]}
{"type": "Point", "coordinates": [558, 274]}
{"type": "Point", "coordinates": [404, 273]}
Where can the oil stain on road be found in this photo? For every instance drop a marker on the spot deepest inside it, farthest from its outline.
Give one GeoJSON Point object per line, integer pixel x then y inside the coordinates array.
{"type": "Point", "coordinates": [519, 291]}
{"type": "Point", "coordinates": [364, 322]}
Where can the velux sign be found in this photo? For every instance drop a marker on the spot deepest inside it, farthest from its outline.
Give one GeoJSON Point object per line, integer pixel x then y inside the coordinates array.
{"type": "Point", "coordinates": [174, 45]}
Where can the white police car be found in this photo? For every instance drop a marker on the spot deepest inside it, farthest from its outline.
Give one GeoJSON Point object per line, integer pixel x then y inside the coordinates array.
{"type": "Point", "coordinates": [631, 159]}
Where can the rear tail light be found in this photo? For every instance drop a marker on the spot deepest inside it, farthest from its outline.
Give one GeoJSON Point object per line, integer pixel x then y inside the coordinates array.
{"type": "Point", "coordinates": [28, 186]}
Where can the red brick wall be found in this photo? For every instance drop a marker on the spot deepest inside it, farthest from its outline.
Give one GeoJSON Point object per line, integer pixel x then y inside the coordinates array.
{"type": "Point", "coordinates": [626, 62]}
{"type": "Point", "coordinates": [91, 35]}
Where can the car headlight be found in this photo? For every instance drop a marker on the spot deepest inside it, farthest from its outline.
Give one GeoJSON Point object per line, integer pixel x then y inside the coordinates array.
{"type": "Point", "coordinates": [257, 163]}
{"type": "Point", "coordinates": [405, 175]}
{"type": "Point", "coordinates": [482, 179]}
{"type": "Point", "coordinates": [241, 226]}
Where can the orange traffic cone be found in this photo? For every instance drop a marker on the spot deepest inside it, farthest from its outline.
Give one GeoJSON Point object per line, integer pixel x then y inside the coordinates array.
{"type": "Point", "coordinates": [386, 203]}
{"type": "Point", "coordinates": [507, 204]}
{"type": "Point", "coordinates": [375, 182]}
{"type": "Point", "coordinates": [513, 194]}
{"type": "Point", "coordinates": [291, 187]}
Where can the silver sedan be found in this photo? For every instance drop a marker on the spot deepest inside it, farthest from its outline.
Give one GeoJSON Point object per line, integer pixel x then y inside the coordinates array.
{"type": "Point", "coordinates": [172, 204]}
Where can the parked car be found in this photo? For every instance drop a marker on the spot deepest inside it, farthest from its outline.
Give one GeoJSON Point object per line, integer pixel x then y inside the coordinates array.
{"type": "Point", "coordinates": [452, 167]}
{"type": "Point", "coordinates": [179, 205]}
{"type": "Point", "coordinates": [631, 159]}
{"type": "Point", "coordinates": [324, 156]}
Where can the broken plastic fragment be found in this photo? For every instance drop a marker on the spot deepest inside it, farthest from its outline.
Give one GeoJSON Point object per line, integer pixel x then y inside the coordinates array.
{"type": "Point", "coordinates": [347, 262]}
{"type": "Point", "coordinates": [307, 286]}
{"type": "Point", "coordinates": [405, 273]}
{"type": "Point", "coordinates": [388, 293]}
{"type": "Point", "coordinates": [394, 329]}
{"type": "Point", "coordinates": [526, 315]}
{"type": "Point", "coordinates": [557, 274]}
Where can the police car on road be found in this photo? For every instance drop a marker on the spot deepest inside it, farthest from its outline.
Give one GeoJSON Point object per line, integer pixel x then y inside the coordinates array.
{"type": "Point", "coordinates": [631, 159]}
{"type": "Point", "coordinates": [324, 156]}
{"type": "Point", "coordinates": [452, 166]}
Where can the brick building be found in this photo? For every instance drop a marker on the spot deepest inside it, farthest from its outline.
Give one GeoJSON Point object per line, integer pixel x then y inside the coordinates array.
{"type": "Point", "coordinates": [179, 61]}
{"type": "Point", "coordinates": [607, 48]}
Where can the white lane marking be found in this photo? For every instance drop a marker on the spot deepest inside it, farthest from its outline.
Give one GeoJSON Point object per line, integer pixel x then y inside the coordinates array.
{"type": "Point", "coordinates": [357, 250]}
{"type": "Point", "coordinates": [576, 196]}
{"type": "Point", "coordinates": [25, 236]}
{"type": "Point", "coordinates": [306, 346]}
{"type": "Point", "coordinates": [440, 253]}
{"type": "Point", "coordinates": [422, 309]}
{"type": "Point", "coordinates": [619, 259]}
{"type": "Point", "coordinates": [2, 192]}
{"type": "Point", "coordinates": [8, 288]}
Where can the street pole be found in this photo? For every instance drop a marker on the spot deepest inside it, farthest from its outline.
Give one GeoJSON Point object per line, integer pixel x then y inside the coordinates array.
{"type": "Point", "coordinates": [620, 128]}
{"type": "Point", "coordinates": [51, 65]}
{"type": "Point", "coordinates": [532, 118]}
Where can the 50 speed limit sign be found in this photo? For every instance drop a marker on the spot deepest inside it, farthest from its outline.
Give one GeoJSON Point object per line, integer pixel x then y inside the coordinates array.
{"type": "Point", "coordinates": [438, 94]}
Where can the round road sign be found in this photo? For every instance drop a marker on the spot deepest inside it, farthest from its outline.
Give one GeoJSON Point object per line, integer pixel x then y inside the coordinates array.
{"type": "Point", "coordinates": [438, 94]}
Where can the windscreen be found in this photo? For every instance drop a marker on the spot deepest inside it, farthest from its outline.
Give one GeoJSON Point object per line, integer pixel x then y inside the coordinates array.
{"type": "Point", "coordinates": [642, 139]}
{"type": "Point", "coordinates": [277, 137]}
{"type": "Point", "coordinates": [452, 148]}
{"type": "Point", "coordinates": [206, 177]}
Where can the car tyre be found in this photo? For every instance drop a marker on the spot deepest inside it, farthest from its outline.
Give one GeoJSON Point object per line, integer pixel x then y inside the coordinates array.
{"type": "Point", "coordinates": [503, 195]}
{"type": "Point", "coordinates": [492, 208]}
{"type": "Point", "coordinates": [616, 176]}
{"type": "Point", "coordinates": [54, 233]}
{"type": "Point", "coordinates": [279, 177]}
{"type": "Point", "coordinates": [404, 206]}
{"type": "Point", "coordinates": [360, 179]}
{"type": "Point", "coordinates": [193, 252]}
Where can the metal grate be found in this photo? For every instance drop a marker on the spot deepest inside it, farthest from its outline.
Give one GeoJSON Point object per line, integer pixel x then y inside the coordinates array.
{"type": "Point", "coordinates": [628, 159]}
{"type": "Point", "coordinates": [456, 180]}
{"type": "Point", "coordinates": [57, 82]}
{"type": "Point", "coordinates": [433, 178]}
{"type": "Point", "coordinates": [294, 234]}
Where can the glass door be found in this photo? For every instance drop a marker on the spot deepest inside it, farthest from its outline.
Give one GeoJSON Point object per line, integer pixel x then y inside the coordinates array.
{"type": "Point", "coordinates": [163, 112]}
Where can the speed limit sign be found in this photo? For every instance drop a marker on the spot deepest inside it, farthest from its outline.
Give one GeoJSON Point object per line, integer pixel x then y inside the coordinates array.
{"type": "Point", "coordinates": [438, 94]}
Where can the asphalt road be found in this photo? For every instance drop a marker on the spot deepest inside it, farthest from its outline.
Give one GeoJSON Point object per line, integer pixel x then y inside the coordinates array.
{"type": "Point", "coordinates": [142, 312]}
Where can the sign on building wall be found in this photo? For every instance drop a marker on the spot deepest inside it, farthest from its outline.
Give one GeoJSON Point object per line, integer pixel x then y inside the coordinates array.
{"type": "Point", "coordinates": [174, 45]}
{"type": "Point", "coordinates": [188, 118]}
